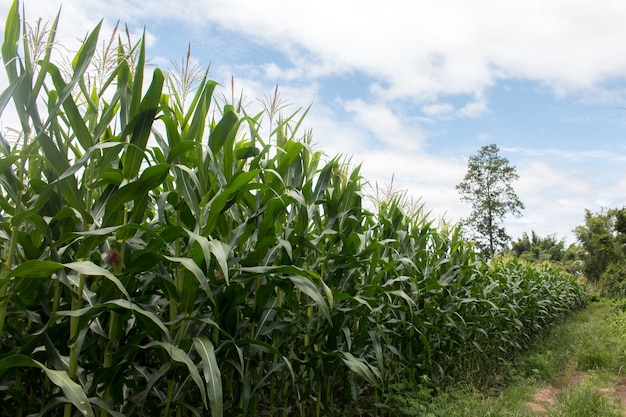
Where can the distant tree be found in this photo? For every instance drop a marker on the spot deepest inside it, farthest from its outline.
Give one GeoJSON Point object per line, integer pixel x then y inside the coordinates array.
{"type": "Point", "coordinates": [597, 239]}
{"type": "Point", "coordinates": [602, 238]}
{"type": "Point", "coordinates": [488, 187]}
{"type": "Point", "coordinates": [537, 249]}
{"type": "Point", "coordinates": [572, 260]}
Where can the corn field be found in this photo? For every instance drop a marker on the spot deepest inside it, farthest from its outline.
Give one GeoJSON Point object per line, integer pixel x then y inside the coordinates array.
{"type": "Point", "coordinates": [163, 256]}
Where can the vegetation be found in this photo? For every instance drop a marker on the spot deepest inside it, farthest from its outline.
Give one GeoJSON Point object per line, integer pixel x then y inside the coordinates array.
{"type": "Point", "coordinates": [163, 255]}
{"type": "Point", "coordinates": [575, 370]}
{"type": "Point", "coordinates": [535, 249]}
{"type": "Point", "coordinates": [488, 187]}
{"type": "Point", "coordinates": [538, 249]}
{"type": "Point", "coordinates": [602, 239]}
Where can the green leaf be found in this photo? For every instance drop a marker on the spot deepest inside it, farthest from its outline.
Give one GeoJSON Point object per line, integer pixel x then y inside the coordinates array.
{"type": "Point", "coordinates": [179, 355]}
{"type": "Point", "coordinates": [181, 148]}
{"type": "Point", "coordinates": [212, 374]}
{"type": "Point", "coordinates": [7, 94]}
{"type": "Point", "coordinates": [89, 268]}
{"type": "Point", "coordinates": [73, 392]}
{"type": "Point", "coordinates": [247, 152]}
{"type": "Point", "coordinates": [77, 124]}
{"type": "Point", "coordinates": [361, 368]}
{"type": "Point", "coordinates": [71, 389]}
{"type": "Point", "coordinates": [100, 403]}
{"type": "Point", "coordinates": [88, 313]}
{"type": "Point", "coordinates": [220, 251]}
{"type": "Point", "coordinates": [78, 165]}
{"type": "Point", "coordinates": [146, 313]}
{"type": "Point", "coordinates": [35, 269]}
{"type": "Point", "coordinates": [218, 203]}
{"type": "Point", "coordinates": [192, 267]}
{"type": "Point", "coordinates": [46, 58]}
{"type": "Point", "coordinates": [142, 125]}
{"type": "Point", "coordinates": [196, 129]}
{"type": "Point", "coordinates": [80, 65]}
{"type": "Point", "coordinates": [188, 186]}
{"type": "Point", "coordinates": [11, 34]}
{"type": "Point", "coordinates": [135, 103]}
{"type": "Point", "coordinates": [152, 177]}
{"type": "Point", "coordinates": [306, 286]}
{"type": "Point", "coordinates": [322, 180]}
{"type": "Point", "coordinates": [222, 130]}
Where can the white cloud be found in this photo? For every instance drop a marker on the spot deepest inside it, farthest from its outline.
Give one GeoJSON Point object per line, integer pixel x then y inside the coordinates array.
{"type": "Point", "coordinates": [617, 155]}
{"type": "Point", "coordinates": [393, 130]}
{"type": "Point", "coordinates": [423, 51]}
{"type": "Point", "coordinates": [557, 189]}
{"type": "Point", "coordinates": [438, 109]}
{"type": "Point", "coordinates": [475, 108]}
{"type": "Point", "coordinates": [415, 49]}
{"type": "Point", "coordinates": [421, 48]}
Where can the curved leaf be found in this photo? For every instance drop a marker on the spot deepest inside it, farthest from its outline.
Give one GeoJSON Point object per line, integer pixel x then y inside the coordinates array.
{"type": "Point", "coordinates": [179, 355]}
{"type": "Point", "coordinates": [212, 374]}
{"type": "Point", "coordinates": [35, 269]}
{"type": "Point", "coordinates": [73, 392]}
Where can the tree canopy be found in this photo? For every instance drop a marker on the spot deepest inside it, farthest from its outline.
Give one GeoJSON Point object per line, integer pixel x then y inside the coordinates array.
{"type": "Point", "coordinates": [603, 239]}
{"type": "Point", "coordinates": [487, 185]}
{"type": "Point", "coordinates": [535, 249]}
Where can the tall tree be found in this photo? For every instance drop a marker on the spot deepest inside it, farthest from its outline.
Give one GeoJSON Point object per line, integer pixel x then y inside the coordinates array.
{"type": "Point", "coordinates": [488, 187]}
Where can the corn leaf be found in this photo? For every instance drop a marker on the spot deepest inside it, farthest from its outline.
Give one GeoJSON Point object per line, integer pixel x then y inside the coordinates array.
{"type": "Point", "coordinates": [141, 126]}
{"type": "Point", "coordinates": [361, 368]}
{"type": "Point", "coordinates": [73, 392]}
{"type": "Point", "coordinates": [212, 374]}
{"type": "Point", "coordinates": [35, 269]}
{"type": "Point", "coordinates": [89, 268]}
{"type": "Point", "coordinates": [179, 355]}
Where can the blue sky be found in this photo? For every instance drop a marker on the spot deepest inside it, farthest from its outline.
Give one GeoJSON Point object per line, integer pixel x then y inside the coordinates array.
{"type": "Point", "coordinates": [412, 89]}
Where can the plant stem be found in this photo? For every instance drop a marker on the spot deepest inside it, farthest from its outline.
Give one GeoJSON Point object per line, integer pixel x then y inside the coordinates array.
{"type": "Point", "coordinates": [108, 353]}
{"type": "Point", "coordinates": [6, 267]}
{"type": "Point", "coordinates": [4, 289]}
{"type": "Point", "coordinates": [170, 391]}
{"type": "Point", "coordinates": [77, 302]}
{"type": "Point", "coordinates": [56, 301]}
{"type": "Point", "coordinates": [18, 386]}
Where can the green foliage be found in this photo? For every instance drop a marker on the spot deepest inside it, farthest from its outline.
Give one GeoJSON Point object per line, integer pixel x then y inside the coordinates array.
{"type": "Point", "coordinates": [612, 282]}
{"type": "Point", "coordinates": [161, 256]}
{"type": "Point", "coordinates": [487, 185]}
{"type": "Point", "coordinates": [588, 340]}
{"type": "Point", "coordinates": [597, 238]}
{"type": "Point", "coordinates": [603, 239]}
{"type": "Point", "coordinates": [585, 401]}
{"type": "Point", "coordinates": [535, 249]}
{"type": "Point", "coordinates": [557, 364]}
{"type": "Point", "coordinates": [538, 249]}
{"type": "Point", "coordinates": [463, 401]}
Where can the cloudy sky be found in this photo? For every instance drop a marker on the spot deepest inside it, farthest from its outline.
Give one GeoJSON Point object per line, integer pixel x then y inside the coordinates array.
{"type": "Point", "coordinates": [411, 89]}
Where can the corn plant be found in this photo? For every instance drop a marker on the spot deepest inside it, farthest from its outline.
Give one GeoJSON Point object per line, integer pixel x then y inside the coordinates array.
{"type": "Point", "coordinates": [164, 253]}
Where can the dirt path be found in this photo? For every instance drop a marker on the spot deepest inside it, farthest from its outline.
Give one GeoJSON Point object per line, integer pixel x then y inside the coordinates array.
{"type": "Point", "coordinates": [546, 398]}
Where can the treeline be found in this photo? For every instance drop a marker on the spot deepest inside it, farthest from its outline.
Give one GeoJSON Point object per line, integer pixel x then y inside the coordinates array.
{"type": "Point", "coordinates": [598, 256]}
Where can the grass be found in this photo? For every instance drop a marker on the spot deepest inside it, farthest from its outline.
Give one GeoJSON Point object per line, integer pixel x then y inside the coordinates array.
{"type": "Point", "coordinates": [586, 400]}
{"type": "Point", "coordinates": [574, 371]}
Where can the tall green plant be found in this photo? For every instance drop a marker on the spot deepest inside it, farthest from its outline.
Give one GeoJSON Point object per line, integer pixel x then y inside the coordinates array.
{"type": "Point", "coordinates": [163, 254]}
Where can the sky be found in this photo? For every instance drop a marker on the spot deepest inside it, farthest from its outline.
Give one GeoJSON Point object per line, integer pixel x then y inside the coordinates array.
{"type": "Point", "coordinates": [411, 89]}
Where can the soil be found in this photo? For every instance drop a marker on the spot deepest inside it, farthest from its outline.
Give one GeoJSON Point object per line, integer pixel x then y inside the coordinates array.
{"type": "Point", "coordinates": [546, 397]}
